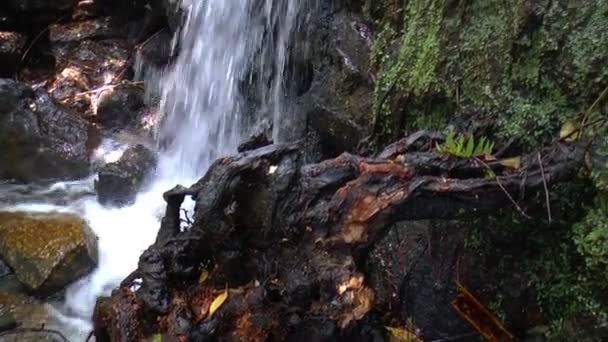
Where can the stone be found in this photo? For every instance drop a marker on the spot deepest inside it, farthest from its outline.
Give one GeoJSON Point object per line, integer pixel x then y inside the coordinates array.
{"type": "Point", "coordinates": [11, 49]}
{"type": "Point", "coordinates": [88, 29]}
{"type": "Point", "coordinates": [39, 140]}
{"type": "Point", "coordinates": [40, 5]}
{"type": "Point", "coordinates": [119, 182]}
{"type": "Point", "coordinates": [120, 106]}
{"type": "Point", "coordinates": [47, 251]}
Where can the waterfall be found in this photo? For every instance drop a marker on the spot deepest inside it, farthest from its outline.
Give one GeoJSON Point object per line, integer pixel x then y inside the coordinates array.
{"type": "Point", "coordinates": [221, 45]}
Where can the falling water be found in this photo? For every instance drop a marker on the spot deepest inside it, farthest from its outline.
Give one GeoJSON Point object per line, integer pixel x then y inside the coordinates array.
{"type": "Point", "coordinates": [221, 45]}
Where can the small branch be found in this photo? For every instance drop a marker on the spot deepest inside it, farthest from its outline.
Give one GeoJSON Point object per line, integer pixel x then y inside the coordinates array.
{"type": "Point", "coordinates": [542, 171]}
{"type": "Point", "coordinates": [187, 219]}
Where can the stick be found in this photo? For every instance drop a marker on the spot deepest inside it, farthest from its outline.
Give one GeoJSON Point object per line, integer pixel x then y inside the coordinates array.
{"type": "Point", "coordinates": [542, 171]}
{"type": "Point", "coordinates": [521, 211]}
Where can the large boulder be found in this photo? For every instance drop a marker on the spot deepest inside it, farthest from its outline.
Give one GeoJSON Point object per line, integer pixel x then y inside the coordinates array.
{"type": "Point", "coordinates": [38, 139]}
{"type": "Point", "coordinates": [119, 182]}
{"type": "Point", "coordinates": [47, 251]}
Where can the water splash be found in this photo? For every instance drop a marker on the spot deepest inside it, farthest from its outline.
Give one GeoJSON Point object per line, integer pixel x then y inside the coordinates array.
{"type": "Point", "coordinates": [221, 44]}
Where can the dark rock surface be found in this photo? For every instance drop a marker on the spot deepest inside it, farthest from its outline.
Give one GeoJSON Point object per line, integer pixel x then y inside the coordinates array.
{"type": "Point", "coordinates": [39, 139]}
{"type": "Point", "coordinates": [11, 49]}
{"type": "Point", "coordinates": [119, 182]}
{"type": "Point", "coordinates": [39, 5]}
{"type": "Point", "coordinates": [120, 106]}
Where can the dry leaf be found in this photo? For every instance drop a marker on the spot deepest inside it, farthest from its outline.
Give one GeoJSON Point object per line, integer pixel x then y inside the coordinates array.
{"type": "Point", "coordinates": [569, 131]}
{"type": "Point", "coordinates": [511, 163]}
{"type": "Point", "coordinates": [218, 302]}
{"type": "Point", "coordinates": [402, 335]}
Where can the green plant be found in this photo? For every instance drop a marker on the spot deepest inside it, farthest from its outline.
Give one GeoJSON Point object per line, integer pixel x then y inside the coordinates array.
{"type": "Point", "coordinates": [463, 147]}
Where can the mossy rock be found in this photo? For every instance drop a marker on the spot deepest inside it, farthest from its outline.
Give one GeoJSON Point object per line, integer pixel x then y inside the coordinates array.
{"type": "Point", "coordinates": [523, 66]}
{"type": "Point", "coordinates": [47, 251]}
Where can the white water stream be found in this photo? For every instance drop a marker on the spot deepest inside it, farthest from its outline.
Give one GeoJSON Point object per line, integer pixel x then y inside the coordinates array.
{"type": "Point", "coordinates": [203, 116]}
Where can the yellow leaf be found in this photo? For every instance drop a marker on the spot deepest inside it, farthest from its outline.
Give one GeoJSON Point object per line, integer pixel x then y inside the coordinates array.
{"type": "Point", "coordinates": [569, 131]}
{"type": "Point", "coordinates": [203, 277]}
{"type": "Point", "coordinates": [156, 338]}
{"type": "Point", "coordinates": [402, 335]}
{"type": "Point", "coordinates": [511, 163]}
{"type": "Point", "coordinates": [218, 302]}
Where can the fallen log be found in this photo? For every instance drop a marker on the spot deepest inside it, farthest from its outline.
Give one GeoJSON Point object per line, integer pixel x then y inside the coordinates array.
{"type": "Point", "coordinates": [286, 240]}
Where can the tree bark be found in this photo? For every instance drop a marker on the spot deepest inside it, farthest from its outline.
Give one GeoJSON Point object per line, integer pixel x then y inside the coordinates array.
{"type": "Point", "coordinates": [288, 240]}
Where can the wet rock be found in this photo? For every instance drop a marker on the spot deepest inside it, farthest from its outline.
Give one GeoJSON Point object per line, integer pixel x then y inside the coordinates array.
{"type": "Point", "coordinates": [261, 136]}
{"type": "Point", "coordinates": [40, 5]}
{"type": "Point", "coordinates": [175, 13]}
{"type": "Point", "coordinates": [413, 271]}
{"type": "Point", "coordinates": [11, 49]}
{"type": "Point", "coordinates": [120, 106]}
{"type": "Point", "coordinates": [38, 139]}
{"type": "Point", "coordinates": [83, 68]}
{"type": "Point", "coordinates": [47, 251]}
{"type": "Point", "coordinates": [329, 81]}
{"type": "Point", "coordinates": [337, 133]}
{"type": "Point", "coordinates": [156, 51]}
{"type": "Point", "coordinates": [88, 29]}
{"type": "Point", "coordinates": [119, 182]}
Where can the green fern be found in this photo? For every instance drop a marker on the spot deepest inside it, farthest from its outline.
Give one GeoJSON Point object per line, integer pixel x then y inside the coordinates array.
{"type": "Point", "coordinates": [463, 147]}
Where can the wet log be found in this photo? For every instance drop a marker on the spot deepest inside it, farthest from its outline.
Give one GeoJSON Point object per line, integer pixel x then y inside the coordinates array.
{"type": "Point", "coordinates": [285, 241]}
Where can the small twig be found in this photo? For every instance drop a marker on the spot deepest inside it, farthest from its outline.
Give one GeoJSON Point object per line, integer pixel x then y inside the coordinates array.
{"type": "Point", "coordinates": [590, 110]}
{"type": "Point", "coordinates": [109, 86]}
{"type": "Point", "coordinates": [34, 330]}
{"type": "Point", "coordinates": [187, 218]}
{"type": "Point", "coordinates": [521, 211]}
{"type": "Point", "coordinates": [90, 336]}
{"type": "Point", "coordinates": [542, 171]}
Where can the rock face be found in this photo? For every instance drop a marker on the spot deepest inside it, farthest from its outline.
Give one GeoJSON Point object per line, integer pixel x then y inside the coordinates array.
{"type": "Point", "coordinates": [47, 251]}
{"type": "Point", "coordinates": [330, 82]}
{"type": "Point", "coordinates": [11, 47]}
{"type": "Point", "coordinates": [118, 182]}
{"type": "Point", "coordinates": [38, 139]}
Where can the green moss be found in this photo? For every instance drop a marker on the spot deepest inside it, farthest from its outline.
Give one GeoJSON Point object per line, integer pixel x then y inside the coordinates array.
{"type": "Point", "coordinates": [526, 68]}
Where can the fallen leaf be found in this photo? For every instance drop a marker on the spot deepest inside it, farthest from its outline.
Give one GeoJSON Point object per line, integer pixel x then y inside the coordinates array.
{"type": "Point", "coordinates": [402, 335]}
{"type": "Point", "coordinates": [569, 131]}
{"type": "Point", "coordinates": [511, 163]}
{"type": "Point", "coordinates": [203, 277]}
{"type": "Point", "coordinates": [217, 303]}
{"type": "Point", "coordinates": [157, 338]}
